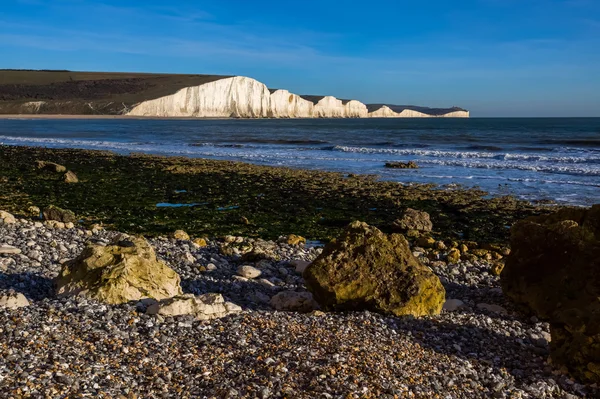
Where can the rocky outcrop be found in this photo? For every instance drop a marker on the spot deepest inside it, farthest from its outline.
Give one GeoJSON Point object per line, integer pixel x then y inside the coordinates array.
{"type": "Point", "coordinates": [554, 272]}
{"type": "Point", "coordinates": [126, 270]}
{"type": "Point", "coordinates": [202, 307]}
{"type": "Point", "coordinates": [367, 269]}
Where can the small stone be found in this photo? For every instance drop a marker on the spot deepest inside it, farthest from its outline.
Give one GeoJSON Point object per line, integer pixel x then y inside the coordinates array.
{"type": "Point", "coordinates": [180, 235]}
{"type": "Point", "coordinates": [248, 271]}
{"type": "Point", "coordinates": [294, 301]}
{"type": "Point", "coordinates": [453, 304]}
{"type": "Point", "coordinates": [70, 177]}
{"type": "Point", "coordinates": [34, 211]}
{"type": "Point", "coordinates": [7, 218]}
{"type": "Point", "coordinates": [492, 308]}
{"type": "Point", "coordinates": [200, 242]}
{"type": "Point", "coordinates": [12, 300]}
{"type": "Point", "coordinates": [9, 250]}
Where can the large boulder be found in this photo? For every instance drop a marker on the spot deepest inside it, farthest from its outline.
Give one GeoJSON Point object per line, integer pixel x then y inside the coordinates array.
{"type": "Point", "coordinates": [553, 271]}
{"type": "Point", "coordinates": [555, 261]}
{"type": "Point", "coordinates": [123, 271]}
{"type": "Point", "coordinates": [60, 215]}
{"type": "Point", "coordinates": [12, 300]}
{"type": "Point", "coordinates": [367, 269]}
{"type": "Point", "coordinates": [413, 220]}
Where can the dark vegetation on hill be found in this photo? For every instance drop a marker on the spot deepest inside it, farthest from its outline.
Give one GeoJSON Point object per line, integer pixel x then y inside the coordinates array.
{"type": "Point", "coordinates": [85, 93]}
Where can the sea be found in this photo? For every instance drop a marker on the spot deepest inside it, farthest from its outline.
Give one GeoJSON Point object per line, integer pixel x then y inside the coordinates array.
{"type": "Point", "coordinates": [535, 159]}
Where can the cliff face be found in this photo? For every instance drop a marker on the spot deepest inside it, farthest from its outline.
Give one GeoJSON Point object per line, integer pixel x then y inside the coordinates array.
{"type": "Point", "coordinates": [237, 97]}
{"type": "Point", "coordinates": [243, 97]}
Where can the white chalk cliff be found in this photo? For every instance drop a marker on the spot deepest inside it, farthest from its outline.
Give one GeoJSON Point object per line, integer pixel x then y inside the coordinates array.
{"type": "Point", "coordinates": [243, 97]}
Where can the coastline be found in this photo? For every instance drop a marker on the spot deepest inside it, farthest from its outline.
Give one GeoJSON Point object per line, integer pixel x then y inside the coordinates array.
{"type": "Point", "coordinates": [225, 197]}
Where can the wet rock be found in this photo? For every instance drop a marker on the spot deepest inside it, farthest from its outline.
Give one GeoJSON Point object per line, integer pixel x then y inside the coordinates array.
{"type": "Point", "coordinates": [60, 215]}
{"type": "Point", "coordinates": [367, 269]}
{"type": "Point", "coordinates": [70, 177]}
{"type": "Point", "coordinates": [294, 301]}
{"type": "Point", "coordinates": [413, 220]}
{"type": "Point", "coordinates": [50, 167]}
{"type": "Point", "coordinates": [402, 165]}
{"type": "Point", "coordinates": [118, 273]}
{"type": "Point", "coordinates": [202, 307]}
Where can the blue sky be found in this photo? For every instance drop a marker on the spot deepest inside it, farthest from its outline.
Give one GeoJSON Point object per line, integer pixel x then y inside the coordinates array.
{"type": "Point", "coordinates": [494, 57]}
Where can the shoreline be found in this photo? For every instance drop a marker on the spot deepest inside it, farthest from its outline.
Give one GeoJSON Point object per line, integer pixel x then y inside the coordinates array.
{"type": "Point", "coordinates": [226, 197]}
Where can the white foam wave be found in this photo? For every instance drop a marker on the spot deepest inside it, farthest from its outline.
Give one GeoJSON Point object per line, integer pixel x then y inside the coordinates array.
{"type": "Point", "coordinates": [469, 154]}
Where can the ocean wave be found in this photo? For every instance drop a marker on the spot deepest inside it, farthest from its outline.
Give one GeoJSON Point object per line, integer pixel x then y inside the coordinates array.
{"type": "Point", "coordinates": [547, 168]}
{"type": "Point", "coordinates": [70, 142]}
{"type": "Point", "coordinates": [516, 180]}
{"type": "Point", "coordinates": [468, 155]}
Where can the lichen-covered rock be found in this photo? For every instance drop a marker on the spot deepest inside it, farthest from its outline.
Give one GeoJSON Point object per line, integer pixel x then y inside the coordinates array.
{"type": "Point", "coordinates": [554, 271]}
{"type": "Point", "coordinates": [413, 220]}
{"type": "Point", "coordinates": [367, 269]}
{"type": "Point", "coordinates": [203, 307]}
{"type": "Point", "coordinates": [200, 242]}
{"type": "Point", "coordinates": [453, 256]}
{"type": "Point", "coordinates": [7, 218]}
{"type": "Point", "coordinates": [60, 215]}
{"type": "Point", "coordinates": [124, 271]}
{"type": "Point", "coordinates": [50, 166]}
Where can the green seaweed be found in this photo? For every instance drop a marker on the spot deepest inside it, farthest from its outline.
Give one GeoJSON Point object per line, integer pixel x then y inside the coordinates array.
{"type": "Point", "coordinates": [122, 192]}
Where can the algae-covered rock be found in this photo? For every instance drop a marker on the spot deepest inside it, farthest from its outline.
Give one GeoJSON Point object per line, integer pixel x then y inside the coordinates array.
{"type": "Point", "coordinates": [60, 215]}
{"type": "Point", "coordinates": [554, 272]}
{"type": "Point", "coordinates": [555, 261]}
{"type": "Point", "coordinates": [413, 220]}
{"type": "Point", "coordinates": [70, 177]}
{"type": "Point", "coordinates": [367, 269]}
{"type": "Point", "coordinates": [50, 166]}
{"type": "Point", "coordinates": [121, 272]}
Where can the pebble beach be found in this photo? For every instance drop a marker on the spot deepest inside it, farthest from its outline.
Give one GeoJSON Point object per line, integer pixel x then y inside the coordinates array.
{"type": "Point", "coordinates": [478, 347]}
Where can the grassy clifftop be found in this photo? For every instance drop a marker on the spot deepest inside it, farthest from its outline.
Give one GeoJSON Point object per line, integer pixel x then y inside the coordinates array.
{"type": "Point", "coordinates": [87, 93]}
